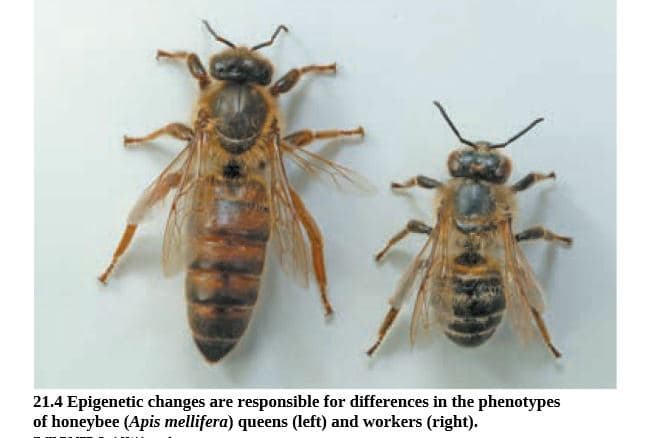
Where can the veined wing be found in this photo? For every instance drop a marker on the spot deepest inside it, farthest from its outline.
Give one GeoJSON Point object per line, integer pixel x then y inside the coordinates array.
{"type": "Point", "coordinates": [177, 250]}
{"type": "Point", "coordinates": [292, 248]}
{"type": "Point", "coordinates": [315, 165]}
{"type": "Point", "coordinates": [522, 291]}
{"type": "Point", "coordinates": [157, 191]}
{"type": "Point", "coordinates": [434, 295]}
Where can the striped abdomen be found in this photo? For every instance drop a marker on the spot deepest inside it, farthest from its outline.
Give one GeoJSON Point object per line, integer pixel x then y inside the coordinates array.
{"type": "Point", "coordinates": [478, 301]}
{"type": "Point", "coordinates": [229, 236]}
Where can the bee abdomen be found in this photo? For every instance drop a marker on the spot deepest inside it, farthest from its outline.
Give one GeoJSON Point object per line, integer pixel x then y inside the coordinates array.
{"type": "Point", "coordinates": [477, 309]}
{"type": "Point", "coordinates": [222, 281]}
{"type": "Point", "coordinates": [220, 303]}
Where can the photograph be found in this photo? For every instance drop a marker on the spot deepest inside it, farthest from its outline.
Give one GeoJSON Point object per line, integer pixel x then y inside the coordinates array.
{"type": "Point", "coordinates": [310, 194]}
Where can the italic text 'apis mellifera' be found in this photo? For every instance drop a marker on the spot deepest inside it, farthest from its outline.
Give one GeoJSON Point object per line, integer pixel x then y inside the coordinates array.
{"type": "Point", "coordinates": [471, 270]}
{"type": "Point", "coordinates": [231, 192]}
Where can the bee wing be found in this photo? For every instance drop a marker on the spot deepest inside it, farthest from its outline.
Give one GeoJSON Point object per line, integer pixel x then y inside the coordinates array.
{"type": "Point", "coordinates": [315, 165]}
{"type": "Point", "coordinates": [434, 295]}
{"type": "Point", "coordinates": [522, 291]}
{"type": "Point", "coordinates": [157, 191]}
{"type": "Point", "coordinates": [286, 226]}
{"type": "Point", "coordinates": [176, 249]}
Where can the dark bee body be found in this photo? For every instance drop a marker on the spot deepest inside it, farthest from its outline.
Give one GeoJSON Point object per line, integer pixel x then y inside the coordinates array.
{"type": "Point", "coordinates": [477, 295]}
{"type": "Point", "coordinates": [471, 270]}
{"type": "Point", "coordinates": [240, 111]}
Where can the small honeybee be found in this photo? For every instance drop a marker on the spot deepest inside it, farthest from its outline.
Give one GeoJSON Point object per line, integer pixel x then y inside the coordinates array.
{"type": "Point", "coordinates": [232, 192]}
{"type": "Point", "coordinates": [471, 268]}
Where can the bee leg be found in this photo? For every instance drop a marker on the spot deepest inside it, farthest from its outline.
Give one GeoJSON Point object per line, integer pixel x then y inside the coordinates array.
{"type": "Point", "coordinates": [317, 256]}
{"type": "Point", "coordinates": [192, 61]}
{"type": "Point", "coordinates": [544, 333]}
{"type": "Point", "coordinates": [540, 232]}
{"type": "Point", "coordinates": [122, 247]}
{"type": "Point", "coordinates": [413, 226]}
{"type": "Point", "coordinates": [176, 130]}
{"type": "Point", "coordinates": [157, 193]}
{"type": "Point", "coordinates": [304, 137]}
{"type": "Point", "coordinates": [386, 324]}
{"type": "Point", "coordinates": [420, 181]}
{"type": "Point", "coordinates": [288, 81]}
{"type": "Point", "coordinates": [530, 180]}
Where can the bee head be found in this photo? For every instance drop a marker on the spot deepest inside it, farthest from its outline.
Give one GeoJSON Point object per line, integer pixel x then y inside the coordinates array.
{"type": "Point", "coordinates": [480, 163]}
{"type": "Point", "coordinates": [241, 64]}
{"type": "Point", "coordinates": [483, 161]}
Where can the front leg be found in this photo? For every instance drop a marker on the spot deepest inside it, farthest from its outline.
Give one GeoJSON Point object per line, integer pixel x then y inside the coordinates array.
{"type": "Point", "coordinates": [540, 232]}
{"type": "Point", "coordinates": [192, 61]}
{"type": "Point", "coordinates": [288, 81]}
{"type": "Point", "coordinates": [421, 181]}
{"type": "Point", "coordinates": [530, 180]}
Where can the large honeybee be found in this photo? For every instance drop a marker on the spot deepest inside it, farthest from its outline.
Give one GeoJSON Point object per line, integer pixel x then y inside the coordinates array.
{"type": "Point", "coordinates": [471, 269]}
{"type": "Point", "coordinates": [231, 192]}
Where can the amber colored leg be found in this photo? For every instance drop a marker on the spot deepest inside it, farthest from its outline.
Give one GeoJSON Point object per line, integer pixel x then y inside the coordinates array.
{"type": "Point", "coordinates": [192, 61]}
{"type": "Point", "coordinates": [154, 195]}
{"type": "Point", "coordinates": [306, 136]}
{"type": "Point", "coordinates": [421, 181]}
{"type": "Point", "coordinates": [288, 81]}
{"type": "Point", "coordinates": [176, 130]}
{"type": "Point", "coordinates": [544, 333]}
{"type": "Point", "coordinates": [317, 256]}
{"type": "Point", "coordinates": [413, 226]}
{"type": "Point", "coordinates": [386, 324]}
{"type": "Point", "coordinates": [122, 247]}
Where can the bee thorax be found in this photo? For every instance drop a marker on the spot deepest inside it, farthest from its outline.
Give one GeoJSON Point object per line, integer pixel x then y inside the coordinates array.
{"type": "Point", "coordinates": [240, 113]}
{"type": "Point", "coordinates": [473, 202]}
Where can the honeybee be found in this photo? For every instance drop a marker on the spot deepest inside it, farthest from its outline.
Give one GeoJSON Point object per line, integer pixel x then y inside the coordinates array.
{"type": "Point", "coordinates": [231, 192]}
{"type": "Point", "coordinates": [471, 269]}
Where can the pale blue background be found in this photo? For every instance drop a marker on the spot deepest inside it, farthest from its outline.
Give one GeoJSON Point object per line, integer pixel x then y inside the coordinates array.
{"type": "Point", "coordinates": [496, 65]}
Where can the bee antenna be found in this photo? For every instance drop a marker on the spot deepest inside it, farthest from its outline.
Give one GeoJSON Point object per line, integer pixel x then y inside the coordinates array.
{"type": "Point", "coordinates": [456, 131]}
{"type": "Point", "coordinates": [518, 135]}
{"type": "Point", "coordinates": [272, 38]}
{"type": "Point", "coordinates": [216, 36]}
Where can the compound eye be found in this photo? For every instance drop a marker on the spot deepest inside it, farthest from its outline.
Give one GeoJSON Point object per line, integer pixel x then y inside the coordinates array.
{"type": "Point", "coordinates": [503, 171]}
{"type": "Point", "coordinates": [454, 163]}
{"type": "Point", "coordinates": [265, 76]}
{"type": "Point", "coordinates": [220, 68]}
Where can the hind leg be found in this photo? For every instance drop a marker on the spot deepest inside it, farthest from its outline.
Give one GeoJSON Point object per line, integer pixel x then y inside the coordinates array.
{"type": "Point", "coordinates": [545, 333]}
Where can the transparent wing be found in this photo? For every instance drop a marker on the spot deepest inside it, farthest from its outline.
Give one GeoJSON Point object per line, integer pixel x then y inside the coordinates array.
{"type": "Point", "coordinates": [176, 249]}
{"type": "Point", "coordinates": [434, 295]}
{"type": "Point", "coordinates": [315, 165]}
{"type": "Point", "coordinates": [522, 290]}
{"type": "Point", "coordinates": [156, 192]}
{"type": "Point", "coordinates": [292, 247]}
